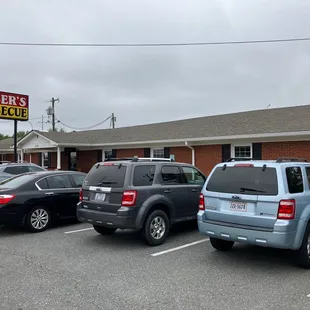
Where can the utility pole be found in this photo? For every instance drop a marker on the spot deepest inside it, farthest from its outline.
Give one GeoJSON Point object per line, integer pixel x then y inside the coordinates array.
{"type": "Point", "coordinates": [53, 112]}
{"type": "Point", "coordinates": [42, 122]}
{"type": "Point", "coordinates": [113, 120]}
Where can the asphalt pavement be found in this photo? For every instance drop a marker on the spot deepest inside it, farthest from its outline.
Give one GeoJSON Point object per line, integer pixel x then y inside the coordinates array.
{"type": "Point", "coordinates": [72, 267]}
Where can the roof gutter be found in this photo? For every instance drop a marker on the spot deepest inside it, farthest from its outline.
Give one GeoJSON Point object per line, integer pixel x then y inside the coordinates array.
{"type": "Point", "coordinates": [193, 152]}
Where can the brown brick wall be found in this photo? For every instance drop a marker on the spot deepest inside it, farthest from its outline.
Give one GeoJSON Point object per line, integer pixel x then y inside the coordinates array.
{"type": "Point", "coordinates": [182, 154]}
{"type": "Point", "coordinates": [207, 156]}
{"type": "Point", "coordinates": [85, 160]}
{"type": "Point", "coordinates": [130, 153]}
{"type": "Point", "coordinates": [273, 150]}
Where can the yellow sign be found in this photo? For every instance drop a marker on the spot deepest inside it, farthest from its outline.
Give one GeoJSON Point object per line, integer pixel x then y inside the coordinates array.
{"type": "Point", "coordinates": [14, 106]}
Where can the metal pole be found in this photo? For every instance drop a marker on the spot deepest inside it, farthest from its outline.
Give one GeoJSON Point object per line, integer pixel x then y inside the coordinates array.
{"type": "Point", "coordinates": [15, 141]}
{"type": "Point", "coordinates": [113, 121]}
{"type": "Point", "coordinates": [53, 115]}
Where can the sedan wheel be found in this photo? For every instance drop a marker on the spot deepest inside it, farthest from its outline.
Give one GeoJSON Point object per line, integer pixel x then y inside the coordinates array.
{"type": "Point", "coordinates": [38, 219]}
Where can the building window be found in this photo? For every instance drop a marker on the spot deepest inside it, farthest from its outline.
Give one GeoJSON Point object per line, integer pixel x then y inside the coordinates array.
{"type": "Point", "coordinates": [242, 151]}
{"type": "Point", "coordinates": [158, 153]}
{"type": "Point", "coordinates": [107, 155]}
{"type": "Point", "coordinates": [45, 160]}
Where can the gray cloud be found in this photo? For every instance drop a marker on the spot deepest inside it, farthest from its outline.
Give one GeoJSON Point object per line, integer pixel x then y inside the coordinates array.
{"type": "Point", "coordinates": [142, 85]}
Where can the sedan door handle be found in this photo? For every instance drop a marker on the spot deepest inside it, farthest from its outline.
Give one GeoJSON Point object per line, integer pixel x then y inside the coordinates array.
{"type": "Point", "coordinates": [194, 190]}
{"type": "Point", "coordinates": [49, 194]}
{"type": "Point", "coordinates": [168, 191]}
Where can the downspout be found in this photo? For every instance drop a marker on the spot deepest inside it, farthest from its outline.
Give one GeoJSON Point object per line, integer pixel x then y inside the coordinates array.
{"type": "Point", "coordinates": [193, 152]}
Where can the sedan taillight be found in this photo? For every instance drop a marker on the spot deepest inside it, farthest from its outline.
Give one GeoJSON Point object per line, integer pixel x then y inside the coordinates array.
{"type": "Point", "coordinates": [4, 199]}
{"type": "Point", "coordinates": [81, 195]}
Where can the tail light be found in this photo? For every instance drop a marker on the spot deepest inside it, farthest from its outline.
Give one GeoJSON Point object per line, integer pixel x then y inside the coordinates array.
{"type": "Point", "coordinates": [4, 199]}
{"type": "Point", "coordinates": [81, 195]}
{"type": "Point", "coordinates": [286, 209]}
{"type": "Point", "coordinates": [129, 198]}
{"type": "Point", "coordinates": [201, 202]}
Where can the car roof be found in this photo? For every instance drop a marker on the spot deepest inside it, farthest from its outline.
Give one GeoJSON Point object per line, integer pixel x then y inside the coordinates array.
{"type": "Point", "coordinates": [6, 164]}
{"type": "Point", "coordinates": [53, 172]}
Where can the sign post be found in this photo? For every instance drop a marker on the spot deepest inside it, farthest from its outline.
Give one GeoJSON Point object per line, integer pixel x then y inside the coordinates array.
{"type": "Point", "coordinates": [14, 107]}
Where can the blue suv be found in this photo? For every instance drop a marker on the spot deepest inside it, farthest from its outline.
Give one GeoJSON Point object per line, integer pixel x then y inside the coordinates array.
{"type": "Point", "coordinates": [265, 203]}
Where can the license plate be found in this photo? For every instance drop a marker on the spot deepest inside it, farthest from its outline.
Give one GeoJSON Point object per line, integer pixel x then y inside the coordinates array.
{"type": "Point", "coordinates": [238, 206]}
{"type": "Point", "coordinates": [100, 196]}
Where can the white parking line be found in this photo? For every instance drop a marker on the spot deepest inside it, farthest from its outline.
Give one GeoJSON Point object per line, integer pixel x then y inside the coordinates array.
{"type": "Point", "coordinates": [74, 231]}
{"type": "Point", "coordinates": [179, 247]}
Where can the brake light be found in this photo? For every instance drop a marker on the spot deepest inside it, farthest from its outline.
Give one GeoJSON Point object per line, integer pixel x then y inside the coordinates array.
{"type": "Point", "coordinates": [244, 165]}
{"type": "Point", "coordinates": [81, 195]}
{"type": "Point", "coordinates": [4, 199]}
{"type": "Point", "coordinates": [201, 202]}
{"type": "Point", "coordinates": [129, 198]}
{"type": "Point", "coordinates": [108, 164]}
{"type": "Point", "coordinates": [286, 209]}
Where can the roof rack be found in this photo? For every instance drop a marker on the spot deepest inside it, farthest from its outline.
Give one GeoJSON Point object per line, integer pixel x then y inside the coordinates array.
{"type": "Point", "coordinates": [238, 159]}
{"type": "Point", "coordinates": [136, 159]}
{"type": "Point", "coordinates": [290, 159]}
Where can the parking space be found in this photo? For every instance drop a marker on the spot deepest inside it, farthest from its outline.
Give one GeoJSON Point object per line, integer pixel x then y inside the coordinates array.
{"type": "Point", "coordinates": [72, 267]}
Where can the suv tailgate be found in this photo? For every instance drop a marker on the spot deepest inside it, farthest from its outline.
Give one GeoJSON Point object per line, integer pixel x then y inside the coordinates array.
{"type": "Point", "coordinates": [243, 197]}
{"type": "Point", "coordinates": [103, 187]}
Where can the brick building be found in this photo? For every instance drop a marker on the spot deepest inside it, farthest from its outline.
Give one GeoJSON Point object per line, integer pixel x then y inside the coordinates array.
{"type": "Point", "coordinates": [204, 141]}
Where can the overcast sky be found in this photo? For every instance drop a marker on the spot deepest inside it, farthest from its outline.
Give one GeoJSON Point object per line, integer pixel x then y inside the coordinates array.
{"type": "Point", "coordinates": [153, 84]}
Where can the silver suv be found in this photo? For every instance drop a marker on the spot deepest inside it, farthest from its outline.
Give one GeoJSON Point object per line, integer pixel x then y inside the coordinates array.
{"type": "Point", "coordinates": [265, 203]}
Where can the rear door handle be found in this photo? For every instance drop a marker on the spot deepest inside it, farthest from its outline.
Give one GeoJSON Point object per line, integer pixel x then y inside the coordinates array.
{"type": "Point", "coordinates": [168, 191]}
{"type": "Point", "coordinates": [49, 194]}
{"type": "Point", "coordinates": [194, 190]}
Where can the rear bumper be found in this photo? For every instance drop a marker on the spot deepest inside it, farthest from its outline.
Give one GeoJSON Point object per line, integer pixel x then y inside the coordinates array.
{"type": "Point", "coordinates": [274, 239]}
{"type": "Point", "coordinates": [99, 218]}
{"type": "Point", "coordinates": [11, 217]}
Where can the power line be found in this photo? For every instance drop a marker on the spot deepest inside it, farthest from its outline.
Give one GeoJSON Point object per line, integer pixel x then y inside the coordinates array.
{"type": "Point", "coordinates": [155, 44]}
{"type": "Point", "coordinates": [85, 128]}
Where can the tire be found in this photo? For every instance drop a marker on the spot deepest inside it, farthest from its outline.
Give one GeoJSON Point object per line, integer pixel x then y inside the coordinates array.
{"type": "Point", "coordinates": [221, 245]}
{"type": "Point", "coordinates": [104, 230]}
{"type": "Point", "coordinates": [38, 219]}
{"type": "Point", "coordinates": [302, 256]}
{"type": "Point", "coordinates": [156, 228]}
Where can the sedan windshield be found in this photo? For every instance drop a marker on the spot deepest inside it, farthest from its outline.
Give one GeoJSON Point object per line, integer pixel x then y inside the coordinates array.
{"type": "Point", "coordinates": [16, 181]}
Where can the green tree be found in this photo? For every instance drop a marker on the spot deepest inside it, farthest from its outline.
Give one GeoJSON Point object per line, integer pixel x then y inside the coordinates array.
{"type": "Point", "coordinates": [21, 134]}
{"type": "Point", "coordinates": [2, 136]}
{"type": "Point", "coordinates": [57, 129]}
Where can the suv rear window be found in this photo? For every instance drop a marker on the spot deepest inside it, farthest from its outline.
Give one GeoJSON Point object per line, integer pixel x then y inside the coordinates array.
{"type": "Point", "coordinates": [106, 176]}
{"type": "Point", "coordinates": [245, 180]}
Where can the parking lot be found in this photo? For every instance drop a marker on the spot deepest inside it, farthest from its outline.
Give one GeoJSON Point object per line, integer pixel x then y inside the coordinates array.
{"type": "Point", "coordinates": [72, 267]}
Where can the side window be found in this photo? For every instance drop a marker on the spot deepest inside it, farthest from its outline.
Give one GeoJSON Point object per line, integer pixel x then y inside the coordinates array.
{"type": "Point", "coordinates": [59, 181]}
{"type": "Point", "coordinates": [308, 175]}
{"type": "Point", "coordinates": [171, 175]}
{"type": "Point", "coordinates": [143, 175]}
{"type": "Point", "coordinates": [16, 170]}
{"type": "Point", "coordinates": [78, 179]}
{"type": "Point", "coordinates": [193, 176]}
{"type": "Point", "coordinates": [42, 184]}
{"type": "Point", "coordinates": [294, 180]}
{"type": "Point", "coordinates": [35, 169]}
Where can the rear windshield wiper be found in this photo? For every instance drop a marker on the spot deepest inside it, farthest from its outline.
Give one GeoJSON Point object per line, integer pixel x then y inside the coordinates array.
{"type": "Point", "coordinates": [107, 182]}
{"type": "Point", "coordinates": [246, 189]}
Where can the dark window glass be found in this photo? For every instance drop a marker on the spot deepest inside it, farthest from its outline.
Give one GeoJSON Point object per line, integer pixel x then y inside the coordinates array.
{"type": "Point", "coordinates": [143, 175]}
{"type": "Point", "coordinates": [78, 179]}
{"type": "Point", "coordinates": [308, 175]}
{"type": "Point", "coordinates": [294, 180]}
{"type": "Point", "coordinates": [111, 175]}
{"type": "Point", "coordinates": [43, 184]}
{"type": "Point", "coordinates": [59, 181]}
{"type": "Point", "coordinates": [171, 175]}
{"type": "Point", "coordinates": [193, 176]}
{"type": "Point", "coordinates": [245, 180]}
{"type": "Point", "coordinates": [35, 168]}
{"type": "Point", "coordinates": [16, 169]}
{"type": "Point", "coordinates": [16, 181]}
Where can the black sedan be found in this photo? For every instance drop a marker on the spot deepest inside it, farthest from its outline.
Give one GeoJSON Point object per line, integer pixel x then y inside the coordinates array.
{"type": "Point", "coordinates": [34, 199]}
